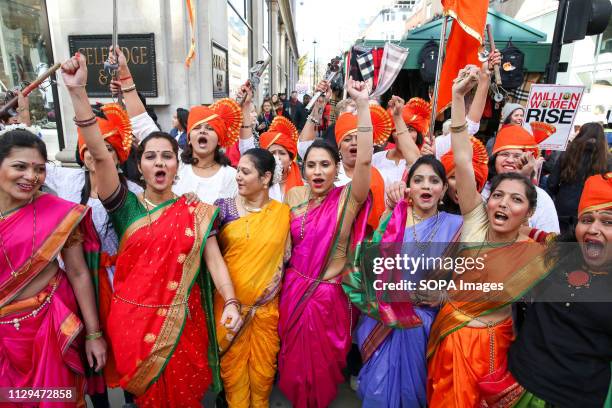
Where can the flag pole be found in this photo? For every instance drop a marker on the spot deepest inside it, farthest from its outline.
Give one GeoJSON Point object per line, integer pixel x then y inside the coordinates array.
{"type": "Point", "coordinates": [434, 102]}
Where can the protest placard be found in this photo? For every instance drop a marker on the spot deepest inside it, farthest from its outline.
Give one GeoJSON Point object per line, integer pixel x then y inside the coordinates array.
{"type": "Point", "coordinates": [556, 105]}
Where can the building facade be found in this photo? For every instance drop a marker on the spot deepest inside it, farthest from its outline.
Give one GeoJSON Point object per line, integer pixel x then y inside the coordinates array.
{"type": "Point", "coordinates": [390, 22]}
{"type": "Point", "coordinates": [229, 37]}
{"type": "Point", "coordinates": [587, 62]}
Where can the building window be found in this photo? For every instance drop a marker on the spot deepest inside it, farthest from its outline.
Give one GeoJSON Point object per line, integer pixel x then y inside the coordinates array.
{"type": "Point", "coordinates": [25, 53]}
{"type": "Point", "coordinates": [238, 44]}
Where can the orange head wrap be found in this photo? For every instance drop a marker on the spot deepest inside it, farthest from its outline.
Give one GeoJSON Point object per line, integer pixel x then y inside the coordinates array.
{"type": "Point", "coordinates": [515, 137]}
{"type": "Point", "coordinates": [417, 114]}
{"type": "Point", "coordinates": [116, 130]}
{"type": "Point", "coordinates": [597, 193]}
{"type": "Point", "coordinates": [381, 125]}
{"type": "Point", "coordinates": [224, 116]}
{"type": "Point", "coordinates": [281, 132]}
{"type": "Point", "coordinates": [480, 161]}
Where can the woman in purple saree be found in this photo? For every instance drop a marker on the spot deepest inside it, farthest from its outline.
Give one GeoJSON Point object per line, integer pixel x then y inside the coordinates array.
{"type": "Point", "coordinates": [40, 315]}
{"type": "Point", "coordinates": [315, 317]}
{"type": "Point", "coordinates": [392, 333]}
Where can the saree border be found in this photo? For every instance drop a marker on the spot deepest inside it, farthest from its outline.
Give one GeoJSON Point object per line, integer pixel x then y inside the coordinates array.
{"type": "Point", "coordinates": [44, 255]}
{"type": "Point", "coordinates": [151, 368]}
{"type": "Point", "coordinates": [341, 212]}
{"type": "Point", "coordinates": [140, 221]}
{"type": "Point", "coordinates": [521, 273]}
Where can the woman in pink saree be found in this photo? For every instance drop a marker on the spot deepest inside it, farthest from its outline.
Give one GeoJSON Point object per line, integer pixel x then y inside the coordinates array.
{"type": "Point", "coordinates": [40, 315]}
{"type": "Point", "coordinates": [315, 316]}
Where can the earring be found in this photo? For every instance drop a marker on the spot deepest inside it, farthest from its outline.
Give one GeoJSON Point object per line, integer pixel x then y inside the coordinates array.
{"type": "Point", "coordinates": [441, 202]}
{"type": "Point", "coordinates": [176, 179]}
{"type": "Point", "coordinates": [141, 177]}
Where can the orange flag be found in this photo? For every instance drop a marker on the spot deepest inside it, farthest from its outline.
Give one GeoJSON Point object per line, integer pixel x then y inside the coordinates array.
{"type": "Point", "coordinates": [191, 14]}
{"type": "Point", "coordinates": [462, 47]}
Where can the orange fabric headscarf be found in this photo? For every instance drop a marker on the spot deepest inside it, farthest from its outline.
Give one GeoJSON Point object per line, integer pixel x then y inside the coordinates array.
{"type": "Point", "coordinates": [417, 114]}
{"type": "Point", "coordinates": [480, 162]}
{"type": "Point", "coordinates": [515, 137]}
{"type": "Point", "coordinates": [283, 133]}
{"type": "Point", "coordinates": [116, 130]}
{"type": "Point", "coordinates": [224, 116]}
{"type": "Point", "coordinates": [597, 193]}
{"type": "Point", "coordinates": [382, 125]}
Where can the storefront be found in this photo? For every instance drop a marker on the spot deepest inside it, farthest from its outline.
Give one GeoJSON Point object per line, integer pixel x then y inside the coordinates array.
{"type": "Point", "coordinates": [25, 53]}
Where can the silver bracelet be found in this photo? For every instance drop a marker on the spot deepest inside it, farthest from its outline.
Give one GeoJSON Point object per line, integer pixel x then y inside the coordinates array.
{"type": "Point", "coordinates": [364, 128]}
{"type": "Point", "coordinates": [313, 120]}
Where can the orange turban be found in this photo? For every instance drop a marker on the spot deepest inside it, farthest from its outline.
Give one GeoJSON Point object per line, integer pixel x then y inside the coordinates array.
{"type": "Point", "coordinates": [281, 132]}
{"type": "Point", "coordinates": [224, 116]}
{"type": "Point", "coordinates": [382, 125]}
{"type": "Point", "coordinates": [515, 137]}
{"type": "Point", "coordinates": [417, 114]}
{"type": "Point", "coordinates": [480, 161]}
{"type": "Point", "coordinates": [116, 130]}
{"type": "Point", "coordinates": [597, 193]}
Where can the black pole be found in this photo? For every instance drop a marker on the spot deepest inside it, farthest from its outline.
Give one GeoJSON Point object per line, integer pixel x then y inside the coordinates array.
{"type": "Point", "coordinates": [557, 43]}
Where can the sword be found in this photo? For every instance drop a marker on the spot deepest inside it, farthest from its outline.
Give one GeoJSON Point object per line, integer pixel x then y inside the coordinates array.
{"type": "Point", "coordinates": [113, 69]}
{"type": "Point", "coordinates": [333, 68]}
{"type": "Point", "coordinates": [255, 74]}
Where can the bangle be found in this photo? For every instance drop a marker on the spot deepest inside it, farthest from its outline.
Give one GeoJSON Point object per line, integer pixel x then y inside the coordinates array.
{"type": "Point", "coordinates": [19, 110]}
{"type": "Point", "coordinates": [460, 128]}
{"type": "Point", "coordinates": [129, 88]}
{"type": "Point", "coordinates": [94, 335]}
{"type": "Point", "coordinates": [125, 78]}
{"type": "Point", "coordinates": [86, 122]}
{"type": "Point", "coordinates": [401, 132]}
{"type": "Point", "coordinates": [233, 301]}
{"type": "Point", "coordinates": [364, 128]}
{"type": "Point", "coordinates": [247, 126]}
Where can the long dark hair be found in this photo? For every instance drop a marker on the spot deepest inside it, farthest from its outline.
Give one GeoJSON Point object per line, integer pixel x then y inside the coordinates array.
{"type": "Point", "coordinates": [182, 115]}
{"type": "Point", "coordinates": [590, 144]}
{"type": "Point", "coordinates": [21, 138]}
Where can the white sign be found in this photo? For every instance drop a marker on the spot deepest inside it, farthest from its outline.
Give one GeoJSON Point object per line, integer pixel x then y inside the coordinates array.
{"type": "Point", "coordinates": [556, 105]}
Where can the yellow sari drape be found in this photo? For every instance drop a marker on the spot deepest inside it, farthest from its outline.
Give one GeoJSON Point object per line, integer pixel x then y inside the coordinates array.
{"type": "Point", "coordinates": [253, 248]}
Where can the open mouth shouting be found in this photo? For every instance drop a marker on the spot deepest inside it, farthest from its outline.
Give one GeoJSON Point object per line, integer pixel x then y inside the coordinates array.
{"type": "Point", "coordinates": [160, 177]}
{"type": "Point", "coordinates": [318, 182]}
{"type": "Point", "coordinates": [500, 217]}
{"type": "Point", "coordinates": [593, 248]}
{"type": "Point", "coordinates": [202, 142]}
{"type": "Point", "coordinates": [426, 197]}
{"type": "Point", "coordinates": [353, 150]}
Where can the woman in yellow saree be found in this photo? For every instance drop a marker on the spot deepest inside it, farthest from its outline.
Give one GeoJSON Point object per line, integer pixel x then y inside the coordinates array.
{"type": "Point", "coordinates": [253, 238]}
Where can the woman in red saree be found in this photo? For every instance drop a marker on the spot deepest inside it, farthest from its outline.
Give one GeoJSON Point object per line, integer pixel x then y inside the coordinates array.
{"type": "Point", "coordinates": [40, 322]}
{"type": "Point", "coordinates": [470, 337]}
{"type": "Point", "coordinates": [160, 323]}
{"type": "Point", "coordinates": [315, 316]}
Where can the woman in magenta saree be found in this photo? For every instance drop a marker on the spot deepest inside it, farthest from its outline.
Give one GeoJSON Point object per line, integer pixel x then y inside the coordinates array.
{"type": "Point", "coordinates": [315, 316]}
{"type": "Point", "coordinates": [40, 320]}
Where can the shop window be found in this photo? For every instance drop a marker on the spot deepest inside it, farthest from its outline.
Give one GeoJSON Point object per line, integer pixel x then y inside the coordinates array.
{"type": "Point", "coordinates": [24, 55]}
{"type": "Point", "coordinates": [239, 46]}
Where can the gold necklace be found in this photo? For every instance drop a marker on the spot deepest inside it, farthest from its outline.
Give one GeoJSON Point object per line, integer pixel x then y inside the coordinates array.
{"type": "Point", "coordinates": [252, 209]}
{"type": "Point", "coordinates": [14, 273]}
{"type": "Point", "coordinates": [318, 200]}
{"type": "Point", "coordinates": [148, 204]}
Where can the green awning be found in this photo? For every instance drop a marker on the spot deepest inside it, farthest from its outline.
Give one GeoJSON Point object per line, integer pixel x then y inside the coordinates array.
{"type": "Point", "coordinates": [504, 28]}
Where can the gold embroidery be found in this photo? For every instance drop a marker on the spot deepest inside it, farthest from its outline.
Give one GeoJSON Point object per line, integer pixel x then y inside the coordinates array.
{"type": "Point", "coordinates": [189, 232]}
{"type": "Point", "coordinates": [162, 311]}
{"type": "Point", "coordinates": [181, 258]}
{"type": "Point", "coordinates": [149, 338]}
{"type": "Point", "coordinates": [172, 285]}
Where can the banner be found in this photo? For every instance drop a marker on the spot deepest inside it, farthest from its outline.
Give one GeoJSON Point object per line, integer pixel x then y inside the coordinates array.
{"type": "Point", "coordinates": [556, 105]}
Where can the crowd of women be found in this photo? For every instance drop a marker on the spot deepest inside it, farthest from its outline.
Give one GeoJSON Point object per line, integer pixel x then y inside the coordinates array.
{"type": "Point", "coordinates": [204, 277]}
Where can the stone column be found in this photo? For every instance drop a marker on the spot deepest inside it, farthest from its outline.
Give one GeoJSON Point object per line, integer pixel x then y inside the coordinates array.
{"type": "Point", "coordinates": [275, 48]}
